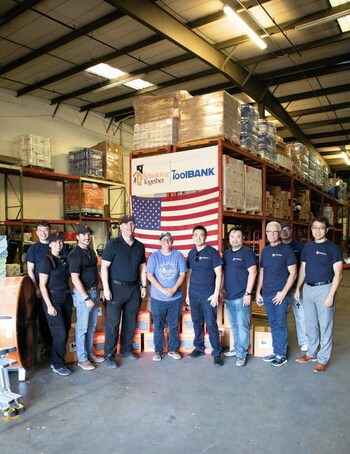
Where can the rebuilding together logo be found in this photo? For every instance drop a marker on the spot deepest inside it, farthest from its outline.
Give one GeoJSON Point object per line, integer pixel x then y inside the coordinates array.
{"type": "Point", "coordinates": [150, 178]}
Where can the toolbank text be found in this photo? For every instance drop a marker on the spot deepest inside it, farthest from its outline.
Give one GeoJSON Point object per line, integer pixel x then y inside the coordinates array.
{"type": "Point", "coordinates": [193, 173]}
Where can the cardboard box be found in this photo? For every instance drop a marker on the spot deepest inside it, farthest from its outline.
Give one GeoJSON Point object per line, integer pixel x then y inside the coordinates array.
{"type": "Point", "coordinates": [186, 342]}
{"type": "Point", "coordinates": [113, 155]}
{"type": "Point", "coordinates": [71, 349]}
{"type": "Point", "coordinates": [186, 322]}
{"type": "Point", "coordinates": [262, 341]}
{"type": "Point", "coordinates": [143, 322]}
{"type": "Point", "coordinates": [101, 317]}
{"type": "Point", "coordinates": [148, 341]}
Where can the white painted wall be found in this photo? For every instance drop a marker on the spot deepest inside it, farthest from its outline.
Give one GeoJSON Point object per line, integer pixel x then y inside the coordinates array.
{"type": "Point", "coordinates": [35, 116]}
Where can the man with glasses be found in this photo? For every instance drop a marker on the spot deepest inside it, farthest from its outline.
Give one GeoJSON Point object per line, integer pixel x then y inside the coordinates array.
{"type": "Point", "coordinates": [278, 271]}
{"type": "Point", "coordinates": [166, 270]}
{"type": "Point", "coordinates": [204, 282]}
{"type": "Point", "coordinates": [297, 307]}
{"type": "Point", "coordinates": [321, 273]}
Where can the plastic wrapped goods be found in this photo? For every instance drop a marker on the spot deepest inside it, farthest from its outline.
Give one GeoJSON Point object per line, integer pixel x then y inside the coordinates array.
{"type": "Point", "coordinates": [112, 161]}
{"type": "Point", "coordinates": [267, 140]}
{"type": "Point", "coordinates": [249, 128]}
{"type": "Point", "coordinates": [86, 162]}
{"type": "Point", "coordinates": [208, 116]}
{"type": "Point", "coordinates": [33, 150]}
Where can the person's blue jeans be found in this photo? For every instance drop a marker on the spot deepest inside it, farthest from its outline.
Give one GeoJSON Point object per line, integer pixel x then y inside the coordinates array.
{"type": "Point", "coordinates": [239, 317]}
{"type": "Point", "coordinates": [299, 316]}
{"type": "Point", "coordinates": [85, 324]}
{"type": "Point", "coordinates": [161, 312]}
{"type": "Point", "coordinates": [319, 322]}
{"type": "Point", "coordinates": [201, 311]}
{"type": "Point", "coordinates": [277, 315]}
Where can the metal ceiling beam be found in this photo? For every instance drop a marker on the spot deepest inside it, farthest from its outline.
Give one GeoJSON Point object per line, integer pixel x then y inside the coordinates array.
{"type": "Point", "coordinates": [317, 124]}
{"type": "Point", "coordinates": [170, 83]}
{"type": "Point", "coordinates": [76, 33]}
{"type": "Point", "coordinates": [17, 11]}
{"type": "Point", "coordinates": [324, 135]}
{"type": "Point", "coordinates": [314, 93]}
{"type": "Point", "coordinates": [320, 109]}
{"type": "Point", "coordinates": [331, 143]}
{"type": "Point", "coordinates": [311, 66]}
{"type": "Point", "coordinates": [159, 21]}
{"type": "Point", "coordinates": [77, 69]}
{"type": "Point", "coordinates": [300, 47]}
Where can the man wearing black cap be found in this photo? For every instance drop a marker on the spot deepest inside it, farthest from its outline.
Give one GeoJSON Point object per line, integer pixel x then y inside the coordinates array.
{"type": "Point", "coordinates": [298, 310]}
{"type": "Point", "coordinates": [123, 274]}
{"type": "Point", "coordinates": [86, 296]}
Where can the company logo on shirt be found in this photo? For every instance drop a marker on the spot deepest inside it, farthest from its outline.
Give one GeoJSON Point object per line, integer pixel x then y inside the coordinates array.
{"type": "Point", "coordinates": [200, 257]}
{"type": "Point", "coordinates": [277, 255]}
{"type": "Point", "coordinates": [167, 270]}
{"type": "Point", "coordinates": [237, 258]}
{"type": "Point", "coordinates": [319, 252]}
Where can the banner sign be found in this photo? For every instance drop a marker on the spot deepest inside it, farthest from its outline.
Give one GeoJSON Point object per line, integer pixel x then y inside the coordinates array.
{"type": "Point", "coordinates": [189, 170]}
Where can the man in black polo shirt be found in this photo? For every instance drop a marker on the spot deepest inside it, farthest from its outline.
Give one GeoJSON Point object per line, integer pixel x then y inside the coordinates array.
{"type": "Point", "coordinates": [86, 296]}
{"type": "Point", "coordinates": [123, 274]}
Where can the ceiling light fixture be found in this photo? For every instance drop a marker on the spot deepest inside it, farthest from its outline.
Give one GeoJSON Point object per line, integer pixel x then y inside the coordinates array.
{"type": "Point", "coordinates": [244, 27]}
{"type": "Point", "coordinates": [345, 156]}
{"type": "Point", "coordinates": [323, 20]}
{"type": "Point", "coordinates": [117, 78]}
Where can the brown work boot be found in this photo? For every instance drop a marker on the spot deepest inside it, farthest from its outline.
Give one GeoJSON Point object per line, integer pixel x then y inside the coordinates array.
{"type": "Point", "coordinates": [305, 359]}
{"type": "Point", "coordinates": [320, 368]}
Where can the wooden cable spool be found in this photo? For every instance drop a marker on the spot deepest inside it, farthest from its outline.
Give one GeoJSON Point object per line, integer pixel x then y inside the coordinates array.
{"type": "Point", "coordinates": [17, 318]}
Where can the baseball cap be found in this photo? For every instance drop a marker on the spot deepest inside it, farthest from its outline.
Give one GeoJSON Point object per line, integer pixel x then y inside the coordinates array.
{"type": "Point", "coordinates": [165, 235]}
{"type": "Point", "coordinates": [284, 224]}
{"type": "Point", "coordinates": [126, 219]}
{"type": "Point", "coordinates": [84, 229]}
{"type": "Point", "coordinates": [55, 237]}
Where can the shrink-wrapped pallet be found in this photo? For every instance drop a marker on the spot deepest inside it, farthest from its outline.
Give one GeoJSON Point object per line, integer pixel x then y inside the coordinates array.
{"type": "Point", "coordinates": [208, 116]}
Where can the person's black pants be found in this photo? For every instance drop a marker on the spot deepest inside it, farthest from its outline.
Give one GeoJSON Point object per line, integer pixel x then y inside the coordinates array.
{"type": "Point", "coordinates": [59, 325]}
{"type": "Point", "coordinates": [125, 305]}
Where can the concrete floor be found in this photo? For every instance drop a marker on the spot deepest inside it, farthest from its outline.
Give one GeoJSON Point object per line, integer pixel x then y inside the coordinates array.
{"type": "Point", "coordinates": [189, 406]}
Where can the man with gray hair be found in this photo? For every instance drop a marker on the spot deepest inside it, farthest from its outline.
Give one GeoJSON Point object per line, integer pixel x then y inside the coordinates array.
{"type": "Point", "coordinates": [278, 271]}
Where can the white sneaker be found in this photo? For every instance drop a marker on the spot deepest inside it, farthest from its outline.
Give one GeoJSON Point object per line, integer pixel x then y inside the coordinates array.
{"type": "Point", "coordinates": [304, 347]}
{"type": "Point", "coordinates": [175, 355]}
{"type": "Point", "coordinates": [230, 353]}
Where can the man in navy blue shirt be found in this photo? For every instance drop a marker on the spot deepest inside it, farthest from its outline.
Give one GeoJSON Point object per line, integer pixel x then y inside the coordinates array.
{"type": "Point", "coordinates": [239, 279]}
{"type": "Point", "coordinates": [321, 273]}
{"type": "Point", "coordinates": [204, 282]}
{"type": "Point", "coordinates": [297, 307]}
{"type": "Point", "coordinates": [278, 270]}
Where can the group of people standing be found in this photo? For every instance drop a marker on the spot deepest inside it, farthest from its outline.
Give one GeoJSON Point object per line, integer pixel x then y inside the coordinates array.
{"type": "Point", "coordinates": [305, 276]}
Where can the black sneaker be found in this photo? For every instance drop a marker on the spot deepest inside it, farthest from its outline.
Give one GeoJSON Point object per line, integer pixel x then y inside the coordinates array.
{"type": "Point", "coordinates": [111, 364]}
{"type": "Point", "coordinates": [196, 353]}
{"type": "Point", "coordinates": [64, 371]}
{"type": "Point", "coordinates": [218, 361]}
{"type": "Point", "coordinates": [269, 358]}
{"type": "Point", "coordinates": [279, 361]}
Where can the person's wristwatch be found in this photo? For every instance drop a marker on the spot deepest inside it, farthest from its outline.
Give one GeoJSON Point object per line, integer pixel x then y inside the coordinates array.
{"type": "Point", "coordinates": [247, 294]}
{"type": "Point", "coordinates": [87, 298]}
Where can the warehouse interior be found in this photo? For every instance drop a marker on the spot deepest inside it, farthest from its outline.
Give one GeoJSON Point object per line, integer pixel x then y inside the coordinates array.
{"type": "Point", "coordinates": [297, 80]}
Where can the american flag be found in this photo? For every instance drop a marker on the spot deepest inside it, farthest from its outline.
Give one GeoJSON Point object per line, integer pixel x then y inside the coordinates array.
{"type": "Point", "coordinates": [177, 215]}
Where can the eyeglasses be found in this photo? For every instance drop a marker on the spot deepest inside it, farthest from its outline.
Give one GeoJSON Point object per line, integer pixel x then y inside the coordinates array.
{"type": "Point", "coordinates": [274, 232]}
{"type": "Point", "coordinates": [318, 228]}
{"type": "Point", "coordinates": [63, 261]}
{"type": "Point", "coordinates": [197, 256]}
{"type": "Point", "coordinates": [285, 230]}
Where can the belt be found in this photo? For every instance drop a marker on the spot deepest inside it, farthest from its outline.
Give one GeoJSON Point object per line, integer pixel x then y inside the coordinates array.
{"type": "Point", "coordinates": [126, 284]}
{"type": "Point", "coordinates": [91, 288]}
{"type": "Point", "coordinates": [316, 284]}
{"type": "Point", "coordinates": [60, 291]}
